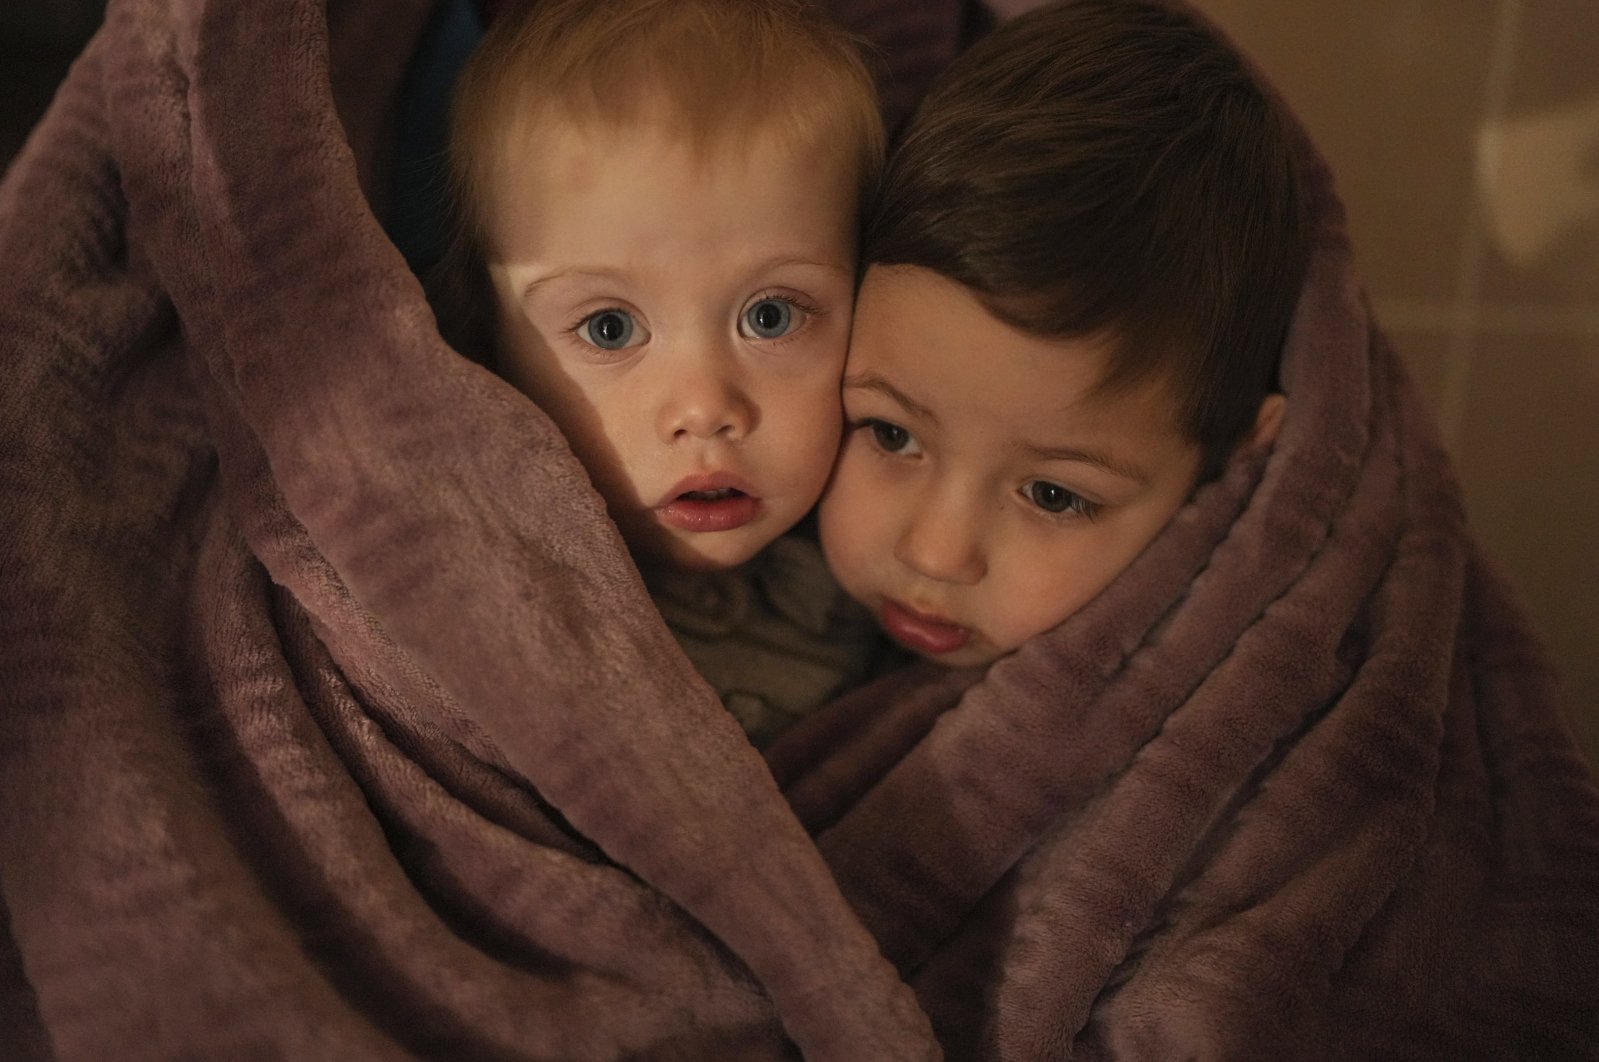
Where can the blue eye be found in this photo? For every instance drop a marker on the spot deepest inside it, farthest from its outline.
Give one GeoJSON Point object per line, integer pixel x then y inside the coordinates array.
{"type": "Point", "coordinates": [1054, 498]}
{"type": "Point", "coordinates": [768, 319]}
{"type": "Point", "coordinates": [608, 329]}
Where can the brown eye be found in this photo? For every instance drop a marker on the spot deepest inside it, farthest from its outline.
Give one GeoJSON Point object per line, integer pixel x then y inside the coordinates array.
{"type": "Point", "coordinates": [890, 437]}
{"type": "Point", "coordinates": [1052, 497]}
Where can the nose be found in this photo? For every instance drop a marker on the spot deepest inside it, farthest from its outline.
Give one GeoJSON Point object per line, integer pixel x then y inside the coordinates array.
{"type": "Point", "coordinates": [943, 540]}
{"type": "Point", "coordinates": [706, 397]}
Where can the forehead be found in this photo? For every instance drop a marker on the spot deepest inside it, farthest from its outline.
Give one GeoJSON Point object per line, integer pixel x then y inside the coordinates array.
{"type": "Point", "coordinates": [591, 184]}
{"type": "Point", "coordinates": [553, 154]}
{"type": "Point", "coordinates": [939, 344]}
{"type": "Point", "coordinates": [518, 130]}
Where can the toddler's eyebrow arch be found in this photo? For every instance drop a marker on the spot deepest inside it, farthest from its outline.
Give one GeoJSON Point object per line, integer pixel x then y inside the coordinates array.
{"type": "Point", "coordinates": [800, 260]}
{"type": "Point", "coordinates": [593, 274]}
{"type": "Point", "coordinates": [871, 381]}
{"type": "Point", "coordinates": [618, 276]}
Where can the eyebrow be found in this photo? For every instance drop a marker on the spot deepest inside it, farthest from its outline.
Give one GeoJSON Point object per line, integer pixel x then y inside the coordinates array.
{"type": "Point", "coordinates": [618, 276]}
{"type": "Point", "coordinates": [594, 274]}
{"type": "Point", "coordinates": [1088, 457]}
{"type": "Point", "coordinates": [870, 381]}
{"type": "Point", "coordinates": [798, 260]}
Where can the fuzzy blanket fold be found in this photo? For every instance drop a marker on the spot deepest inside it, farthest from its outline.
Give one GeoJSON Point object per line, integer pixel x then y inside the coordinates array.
{"type": "Point", "coordinates": [335, 721]}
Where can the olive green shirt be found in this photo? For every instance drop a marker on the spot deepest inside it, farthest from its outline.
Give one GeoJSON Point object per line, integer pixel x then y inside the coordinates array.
{"type": "Point", "coordinates": [776, 637]}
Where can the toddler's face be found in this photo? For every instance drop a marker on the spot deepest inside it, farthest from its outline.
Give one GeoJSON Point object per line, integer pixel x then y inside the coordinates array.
{"type": "Point", "coordinates": [684, 320]}
{"type": "Point", "coordinates": [984, 493]}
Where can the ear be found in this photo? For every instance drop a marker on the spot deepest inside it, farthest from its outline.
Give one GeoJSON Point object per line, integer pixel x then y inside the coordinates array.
{"type": "Point", "coordinates": [1268, 421]}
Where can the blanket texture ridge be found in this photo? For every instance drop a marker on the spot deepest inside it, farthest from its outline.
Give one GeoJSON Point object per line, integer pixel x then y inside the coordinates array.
{"type": "Point", "coordinates": [336, 723]}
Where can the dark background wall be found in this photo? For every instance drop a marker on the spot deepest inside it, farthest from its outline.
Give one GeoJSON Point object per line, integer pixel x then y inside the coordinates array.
{"type": "Point", "coordinates": [38, 42]}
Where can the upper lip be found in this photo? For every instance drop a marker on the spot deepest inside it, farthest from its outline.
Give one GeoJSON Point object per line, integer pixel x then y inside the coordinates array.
{"type": "Point", "coordinates": [923, 614]}
{"type": "Point", "coordinates": [703, 481]}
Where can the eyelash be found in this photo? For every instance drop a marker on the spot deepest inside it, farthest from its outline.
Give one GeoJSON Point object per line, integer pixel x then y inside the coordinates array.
{"type": "Point", "coordinates": [577, 325]}
{"type": "Point", "coordinates": [793, 300]}
{"type": "Point", "coordinates": [810, 311]}
{"type": "Point", "coordinates": [805, 307]}
{"type": "Point", "coordinates": [584, 318]}
{"type": "Point", "coordinates": [875, 425]}
{"type": "Point", "coordinates": [1078, 508]}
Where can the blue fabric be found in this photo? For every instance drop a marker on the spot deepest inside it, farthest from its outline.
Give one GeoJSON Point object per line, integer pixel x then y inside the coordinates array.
{"type": "Point", "coordinates": [416, 209]}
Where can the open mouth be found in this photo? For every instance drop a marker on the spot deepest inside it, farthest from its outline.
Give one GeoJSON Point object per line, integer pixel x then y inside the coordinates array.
{"type": "Point", "coordinates": [713, 509]}
{"type": "Point", "coordinates": [720, 494]}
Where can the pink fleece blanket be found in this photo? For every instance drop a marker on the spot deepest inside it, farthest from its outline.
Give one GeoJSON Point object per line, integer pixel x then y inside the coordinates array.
{"type": "Point", "coordinates": [335, 721]}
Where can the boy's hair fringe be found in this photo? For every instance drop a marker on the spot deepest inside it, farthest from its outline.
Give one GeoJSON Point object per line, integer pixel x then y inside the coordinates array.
{"type": "Point", "coordinates": [1110, 167]}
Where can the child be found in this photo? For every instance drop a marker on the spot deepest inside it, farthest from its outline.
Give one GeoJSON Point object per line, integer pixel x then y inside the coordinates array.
{"type": "Point", "coordinates": [1080, 275]}
{"type": "Point", "coordinates": [658, 204]}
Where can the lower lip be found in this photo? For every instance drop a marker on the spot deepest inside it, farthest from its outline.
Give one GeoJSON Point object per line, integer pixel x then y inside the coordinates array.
{"type": "Point", "coordinates": [920, 633]}
{"type": "Point", "coordinates": [723, 514]}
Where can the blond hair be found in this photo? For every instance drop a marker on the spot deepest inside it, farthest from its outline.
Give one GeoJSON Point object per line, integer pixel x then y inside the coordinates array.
{"type": "Point", "coordinates": [712, 68]}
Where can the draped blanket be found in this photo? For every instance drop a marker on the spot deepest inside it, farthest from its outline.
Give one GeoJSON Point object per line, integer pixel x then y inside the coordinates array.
{"type": "Point", "coordinates": [335, 722]}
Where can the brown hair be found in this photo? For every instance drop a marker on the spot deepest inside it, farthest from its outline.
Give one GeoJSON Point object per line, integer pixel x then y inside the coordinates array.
{"type": "Point", "coordinates": [714, 68]}
{"type": "Point", "coordinates": [1111, 167]}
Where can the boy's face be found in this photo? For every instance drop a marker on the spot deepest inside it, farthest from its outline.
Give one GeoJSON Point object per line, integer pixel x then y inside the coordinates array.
{"type": "Point", "coordinates": [683, 318]}
{"type": "Point", "coordinates": [984, 493]}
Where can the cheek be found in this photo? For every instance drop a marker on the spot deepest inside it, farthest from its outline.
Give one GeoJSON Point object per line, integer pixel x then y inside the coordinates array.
{"type": "Point", "coordinates": [594, 420]}
{"type": "Point", "coordinates": [1034, 598]}
{"type": "Point", "coordinates": [527, 362]}
{"type": "Point", "coordinates": [1047, 582]}
{"type": "Point", "coordinates": [802, 421]}
{"type": "Point", "coordinates": [813, 413]}
{"type": "Point", "coordinates": [855, 518]}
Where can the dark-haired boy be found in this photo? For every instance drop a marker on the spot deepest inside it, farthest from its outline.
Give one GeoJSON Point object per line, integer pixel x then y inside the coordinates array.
{"type": "Point", "coordinates": [1081, 269]}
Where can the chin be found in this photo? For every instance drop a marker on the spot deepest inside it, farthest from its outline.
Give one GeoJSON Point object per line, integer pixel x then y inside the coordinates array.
{"type": "Point", "coordinates": [704, 558]}
{"type": "Point", "coordinates": [697, 564]}
{"type": "Point", "coordinates": [976, 657]}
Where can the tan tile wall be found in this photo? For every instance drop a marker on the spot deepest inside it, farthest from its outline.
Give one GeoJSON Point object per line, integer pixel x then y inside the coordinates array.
{"type": "Point", "coordinates": [1465, 138]}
